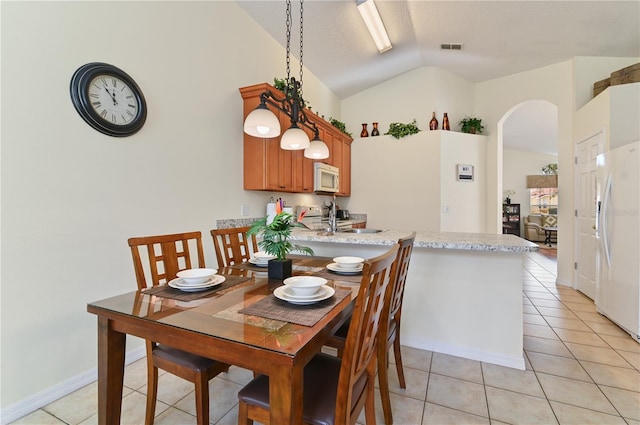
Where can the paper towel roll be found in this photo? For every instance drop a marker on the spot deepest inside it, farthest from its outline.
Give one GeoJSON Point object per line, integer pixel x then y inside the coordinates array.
{"type": "Point", "coordinates": [271, 212]}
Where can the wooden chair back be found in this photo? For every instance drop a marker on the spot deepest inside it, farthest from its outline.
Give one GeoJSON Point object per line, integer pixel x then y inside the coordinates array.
{"type": "Point", "coordinates": [400, 276]}
{"type": "Point", "coordinates": [359, 358]}
{"type": "Point", "coordinates": [167, 255]}
{"type": "Point", "coordinates": [233, 246]}
{"type": "Point", "coordinates": [390, 331]}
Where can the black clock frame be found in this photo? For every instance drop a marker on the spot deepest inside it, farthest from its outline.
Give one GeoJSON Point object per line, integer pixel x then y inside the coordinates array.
{"type": "Point", "coordinates": [79, 89]}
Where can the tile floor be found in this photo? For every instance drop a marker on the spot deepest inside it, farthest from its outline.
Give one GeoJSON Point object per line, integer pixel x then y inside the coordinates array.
{"type": "Point", "coordinates": [581, 369]}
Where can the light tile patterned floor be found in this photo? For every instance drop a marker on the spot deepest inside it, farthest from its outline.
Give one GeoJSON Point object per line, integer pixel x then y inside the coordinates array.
{"type": "Point", "coordinates": [581, 369]}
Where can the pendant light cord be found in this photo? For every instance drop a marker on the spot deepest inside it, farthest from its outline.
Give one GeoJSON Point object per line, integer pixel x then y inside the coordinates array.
{"type": "Point", "coordinates": [301, 44]}
{"type": "Point", "coordinates": [288, 34]}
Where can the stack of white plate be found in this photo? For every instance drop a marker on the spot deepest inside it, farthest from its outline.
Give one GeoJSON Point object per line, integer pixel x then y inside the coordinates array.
{"type": "Point", "coordinates": [346, 265]}
{"type": "Point", "coordinates": [261, 259]}
{"type": "Point", "coordinates": [304, 290]}
{"type": "Point", "coordinates": [180, 284]}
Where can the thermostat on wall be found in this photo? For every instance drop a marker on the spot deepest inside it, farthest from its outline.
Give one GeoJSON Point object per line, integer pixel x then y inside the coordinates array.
{"type": "Point", "coordinates": [465, 172]}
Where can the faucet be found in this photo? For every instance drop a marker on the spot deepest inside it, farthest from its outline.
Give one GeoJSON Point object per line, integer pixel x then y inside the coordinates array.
{"type": "Point", "coordinates": [333, 222]}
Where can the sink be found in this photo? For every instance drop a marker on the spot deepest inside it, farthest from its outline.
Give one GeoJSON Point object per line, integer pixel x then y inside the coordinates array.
{"type": "Point", "coordinates": [360, 230]}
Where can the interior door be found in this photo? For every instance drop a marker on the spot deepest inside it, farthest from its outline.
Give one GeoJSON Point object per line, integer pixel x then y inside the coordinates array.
{"type": "Point", "coordinates": [585, 249]}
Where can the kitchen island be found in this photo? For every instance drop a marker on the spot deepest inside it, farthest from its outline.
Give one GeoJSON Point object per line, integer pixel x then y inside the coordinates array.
{"type": "Point", "coordinates": [463, 294]}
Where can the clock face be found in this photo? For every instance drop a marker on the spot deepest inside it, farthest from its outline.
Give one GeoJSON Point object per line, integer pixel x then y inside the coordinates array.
{"type": "Point", "coordinates": [113, 100]}
{"type": "Point", "coordinates": [108, 99]}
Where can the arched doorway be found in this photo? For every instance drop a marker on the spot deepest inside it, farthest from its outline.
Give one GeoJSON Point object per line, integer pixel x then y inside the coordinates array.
{"type": "Point", "coordinates": [528, 140]}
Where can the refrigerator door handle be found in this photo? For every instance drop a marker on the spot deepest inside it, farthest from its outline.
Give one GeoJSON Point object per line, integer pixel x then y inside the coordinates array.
{"type": "Point", "coordinates": [606, 200]}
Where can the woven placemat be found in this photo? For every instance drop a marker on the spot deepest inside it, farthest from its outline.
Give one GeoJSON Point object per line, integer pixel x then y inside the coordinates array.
{"type": "Point", "coordinates": [248, 266]}
{"type": "Point", "coordinates": [271, 307]}
{"type": "Point", "coordinates": [328, 274]}
{"type": "Point", "coordinates": [167, 291]}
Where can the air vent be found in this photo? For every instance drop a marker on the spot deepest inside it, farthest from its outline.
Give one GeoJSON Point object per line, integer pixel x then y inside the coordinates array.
{"type": "Point", "coordinates": [451, 46]}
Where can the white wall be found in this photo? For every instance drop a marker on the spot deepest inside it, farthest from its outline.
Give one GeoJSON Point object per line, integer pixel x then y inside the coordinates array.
{"type": "Point", "coordinates": [72, 196]}
{"type": "Point", "coordinates": [616, 111]}
{"type": "Point", "coordinates": [589, 69]}
{"type": "Point", "coordinates": [413, 95]}
{"type": "Point", "coordinates": [403, 184]}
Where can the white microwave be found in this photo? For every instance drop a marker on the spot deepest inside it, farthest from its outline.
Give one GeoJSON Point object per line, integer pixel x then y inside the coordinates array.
{"type": "Point", "coordinates": [326, 178]}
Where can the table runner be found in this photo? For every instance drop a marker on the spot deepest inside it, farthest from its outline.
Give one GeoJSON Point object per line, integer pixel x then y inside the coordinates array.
{"type": "Point", "coordinates": [271, 307]}
{"type": "Point", "coordinates": [166, 291]}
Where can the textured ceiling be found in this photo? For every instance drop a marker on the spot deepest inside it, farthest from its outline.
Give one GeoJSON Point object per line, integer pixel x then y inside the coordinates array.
{"type": "Point", "coordinates": [499, 37]}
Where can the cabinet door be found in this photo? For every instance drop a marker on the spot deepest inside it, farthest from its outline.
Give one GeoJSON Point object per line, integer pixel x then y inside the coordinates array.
{"type": "Point", "coordinates": [302, 173]}
{"type": "Point", "coordinates": [345, 170]}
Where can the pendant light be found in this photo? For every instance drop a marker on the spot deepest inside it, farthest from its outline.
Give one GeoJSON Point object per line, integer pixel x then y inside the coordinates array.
{"type": "Point", "coordinates": [263, 123]}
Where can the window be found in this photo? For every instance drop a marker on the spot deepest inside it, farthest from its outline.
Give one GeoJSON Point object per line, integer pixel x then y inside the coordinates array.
{"type": "Point", "coordinates": [544, 200]}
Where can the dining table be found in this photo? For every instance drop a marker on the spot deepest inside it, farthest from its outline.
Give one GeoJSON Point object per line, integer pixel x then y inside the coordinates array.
{"type": "Point", "coordinates": [239, 322]}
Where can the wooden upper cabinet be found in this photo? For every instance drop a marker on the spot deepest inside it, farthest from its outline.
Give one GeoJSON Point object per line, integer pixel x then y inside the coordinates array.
{"type": "Point", "coordinates": [267, 167]}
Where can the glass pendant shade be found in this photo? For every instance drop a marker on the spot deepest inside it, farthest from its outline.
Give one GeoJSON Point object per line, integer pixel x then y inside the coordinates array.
{"type": "Point", "coordinates": [294, 139]}
{"type": "Point", "coordinates": [261, 122]}
{"type": "Point", "coordinates": [317, 150]}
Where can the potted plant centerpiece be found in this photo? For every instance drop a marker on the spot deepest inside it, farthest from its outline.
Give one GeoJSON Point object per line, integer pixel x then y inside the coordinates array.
{"type": "Point", "coordinates": [275, 240]}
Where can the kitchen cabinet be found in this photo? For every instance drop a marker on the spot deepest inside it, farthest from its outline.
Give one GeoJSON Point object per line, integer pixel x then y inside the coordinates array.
{"type": "Point", "coordinates": [267, 167]}
{"type": "Point", "coordinates": [511, 219]}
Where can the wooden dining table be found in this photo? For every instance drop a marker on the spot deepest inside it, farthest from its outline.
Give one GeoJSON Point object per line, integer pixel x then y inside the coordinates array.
{"type": "Point", "coordinates": [213, 325]}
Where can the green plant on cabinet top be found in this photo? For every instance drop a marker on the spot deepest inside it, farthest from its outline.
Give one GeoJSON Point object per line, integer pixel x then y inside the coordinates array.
{"type": "Point", "coordinates": [398, 130]}
{"type": "Point", "coordinates": [471, 125]}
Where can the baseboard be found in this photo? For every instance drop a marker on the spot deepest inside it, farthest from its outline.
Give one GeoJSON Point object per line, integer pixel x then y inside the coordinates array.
{"type": "Point", "coordinates": [480, 355]}
{"type": "Point", "coordinates": [36, 401]}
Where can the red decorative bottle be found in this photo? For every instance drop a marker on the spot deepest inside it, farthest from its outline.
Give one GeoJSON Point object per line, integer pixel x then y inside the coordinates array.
{"type": "Point", "coordinates": [445, 122]}
{"type": "Point", "coordinates": [364, 132]}
{"type": "Point", "coordinates": [375, 131]}
{"type": "Point", "coordinates": [433, 124]}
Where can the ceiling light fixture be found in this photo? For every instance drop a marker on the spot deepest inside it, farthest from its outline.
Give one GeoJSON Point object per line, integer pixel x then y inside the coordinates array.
{"type": "Point", "coordinates": [263, 123]}
{"type": "Point", "coordinates": [372, 20]}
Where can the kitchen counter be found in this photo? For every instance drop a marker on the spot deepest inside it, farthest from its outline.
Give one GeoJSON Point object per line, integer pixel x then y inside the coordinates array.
{"type": "Point", "coordinates": [463, 294]}
{"type": "Point", "coordinates": [436, 240]}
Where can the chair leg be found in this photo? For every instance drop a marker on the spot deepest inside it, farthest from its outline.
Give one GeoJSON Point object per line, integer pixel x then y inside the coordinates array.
{"type": "Point", "coordinates": [383, 379]}
{"type": "Point", "coordinates": [370, 403]}
{"type": "Point", "coordinates": [152, 392]}
{"type": "Point", "coordinates": [398, 357]}
{"type": "Point", "coordinates": [202, 399]}
{"type": "Point", "coordinates": [243, 414]}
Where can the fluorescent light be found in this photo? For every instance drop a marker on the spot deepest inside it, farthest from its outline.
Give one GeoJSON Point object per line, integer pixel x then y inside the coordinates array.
{"type": "Point", "coordinates": [371, 18]}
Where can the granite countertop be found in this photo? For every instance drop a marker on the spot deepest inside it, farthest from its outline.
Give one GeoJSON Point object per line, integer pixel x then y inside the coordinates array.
{"type": "Point", "coordinates": [435, 240]}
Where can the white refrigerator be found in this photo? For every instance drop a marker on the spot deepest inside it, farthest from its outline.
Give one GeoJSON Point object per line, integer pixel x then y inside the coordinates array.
{"type": "Point", "coordinates": [618, 237]}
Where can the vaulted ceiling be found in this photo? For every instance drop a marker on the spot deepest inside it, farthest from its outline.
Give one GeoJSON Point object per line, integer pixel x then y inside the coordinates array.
{"type": "Point", "coordinates": [498, 38]}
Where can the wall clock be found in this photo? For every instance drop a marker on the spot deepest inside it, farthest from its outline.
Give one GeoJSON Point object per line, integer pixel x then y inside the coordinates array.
{"type": "Point", "coordinates": [108, 99]}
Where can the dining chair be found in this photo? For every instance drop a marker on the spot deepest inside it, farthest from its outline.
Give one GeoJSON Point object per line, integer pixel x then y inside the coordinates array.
{"type": "Point", "coordinates": [337, 389]}
{"type": "Point", "coordinates": [233, 245]}
{"type": "Point", "coordinates": [390, 330]}
{"type": "Point", "coordinates": [167, 255]}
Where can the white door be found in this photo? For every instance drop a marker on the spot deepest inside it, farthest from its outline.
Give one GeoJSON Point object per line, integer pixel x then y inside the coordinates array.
{"type": "Point", "coordinates": [585, 249]}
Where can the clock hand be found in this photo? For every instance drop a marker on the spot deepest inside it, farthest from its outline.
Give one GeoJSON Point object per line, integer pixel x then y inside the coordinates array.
{"type": "Point", "coordinates": [113, 96]}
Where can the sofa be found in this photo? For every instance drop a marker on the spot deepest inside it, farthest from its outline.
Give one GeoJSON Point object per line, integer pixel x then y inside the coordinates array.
{"type": "Point", "coordinates": [533, 226]}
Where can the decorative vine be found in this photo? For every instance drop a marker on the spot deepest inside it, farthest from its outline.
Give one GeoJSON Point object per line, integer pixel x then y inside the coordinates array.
{"type": "Point", "coordinates": [399, 130]}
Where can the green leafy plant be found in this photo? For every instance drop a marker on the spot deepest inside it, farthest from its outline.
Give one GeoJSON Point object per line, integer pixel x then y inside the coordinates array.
{"type": "Point", "coordinates": [471, 125]}
{"type": "Point", "coordinates": [281, 84]}
{"type": "Point", "coordinates": [550, 169]}
{"type": "Point", "coordinates": [275, 235]}
{"type": "Point", "coordinates": [398, 129]}
{"type": "Point", "coordinates": [339, 125]}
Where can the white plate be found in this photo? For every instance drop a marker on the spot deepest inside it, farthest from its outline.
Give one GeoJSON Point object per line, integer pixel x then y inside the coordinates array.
{"type": "Point", "coordinates": [258, 263]}
{"type": "Point", "coordinates": [179, 284]}
{"type": "Point", "coordinates": [323, 293]}
{"type": "Point", "coordinates": [334, 268]}
{"type": "Point", "coordinates": [290, 294]}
